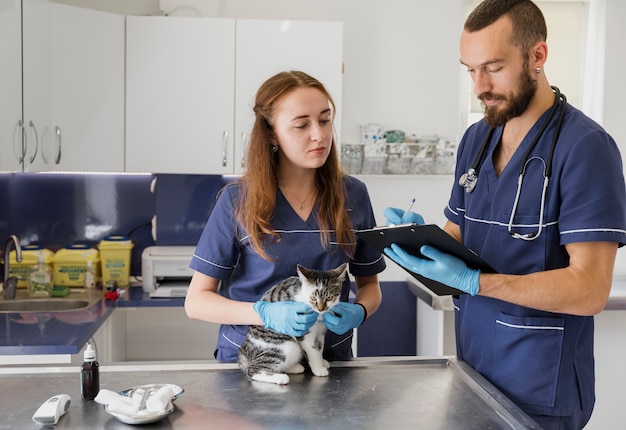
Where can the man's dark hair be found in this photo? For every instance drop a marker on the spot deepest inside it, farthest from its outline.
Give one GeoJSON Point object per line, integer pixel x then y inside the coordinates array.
{"type": "Point", "coordinates": [529, 24]}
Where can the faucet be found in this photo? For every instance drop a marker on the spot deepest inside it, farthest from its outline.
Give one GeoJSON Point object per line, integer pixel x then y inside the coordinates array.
{"type": "Point", "coordinates": [10, 283]}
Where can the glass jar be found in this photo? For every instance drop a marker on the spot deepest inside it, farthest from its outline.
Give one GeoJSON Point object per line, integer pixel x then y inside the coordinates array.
{"type": "Point", "coordinates": [351, 158]}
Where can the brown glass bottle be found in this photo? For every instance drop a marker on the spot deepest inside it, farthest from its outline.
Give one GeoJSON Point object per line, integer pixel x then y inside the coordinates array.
{"type": "Point", "coordinates": [89, 374]}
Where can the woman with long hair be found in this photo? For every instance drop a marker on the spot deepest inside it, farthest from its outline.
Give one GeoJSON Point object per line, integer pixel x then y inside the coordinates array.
{"type": "Point", "coordinates": [293, 205]}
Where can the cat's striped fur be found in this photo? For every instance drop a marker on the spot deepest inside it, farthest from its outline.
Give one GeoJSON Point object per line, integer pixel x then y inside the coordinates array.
{"type": "Point", "coordinates": [268, 356]}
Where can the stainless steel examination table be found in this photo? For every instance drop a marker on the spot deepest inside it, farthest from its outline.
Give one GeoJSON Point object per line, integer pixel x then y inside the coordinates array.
{"type": "Point", "coordinates": [366, 393]}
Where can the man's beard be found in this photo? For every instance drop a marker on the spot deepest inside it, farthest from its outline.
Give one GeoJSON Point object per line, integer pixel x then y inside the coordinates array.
{"type": "Point", "coordinates": [517, 103]}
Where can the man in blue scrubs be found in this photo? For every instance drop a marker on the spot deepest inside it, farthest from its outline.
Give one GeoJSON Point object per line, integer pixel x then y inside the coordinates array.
{"type": "Point", "coordinates": [528, 328]}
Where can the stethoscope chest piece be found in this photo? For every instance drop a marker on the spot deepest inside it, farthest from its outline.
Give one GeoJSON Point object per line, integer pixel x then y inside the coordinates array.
{"type": "Point", "coordinates": [468, 180]}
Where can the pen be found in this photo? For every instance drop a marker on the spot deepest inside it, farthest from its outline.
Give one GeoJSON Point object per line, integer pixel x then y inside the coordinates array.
{"type": "Point", "coordinates": [407, 209]}
{"type": "Point", "coordinates": [410, 206]}
{"type": "Point", "coordinates": [406, 212]}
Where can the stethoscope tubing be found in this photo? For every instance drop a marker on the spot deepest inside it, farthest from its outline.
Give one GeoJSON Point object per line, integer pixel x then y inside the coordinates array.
{"type": "Point", "coordinates": [469, 180]}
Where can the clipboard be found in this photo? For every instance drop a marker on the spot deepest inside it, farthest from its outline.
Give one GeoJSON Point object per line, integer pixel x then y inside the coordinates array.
{"type": "Point", "coordinates": [411, 237]}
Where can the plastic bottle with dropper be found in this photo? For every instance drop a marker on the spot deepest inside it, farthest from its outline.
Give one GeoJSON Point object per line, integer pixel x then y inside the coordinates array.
{"type": "Point", "coordinates": [89, 374]}
{"type": "Point", "coordinates": [90, 275]}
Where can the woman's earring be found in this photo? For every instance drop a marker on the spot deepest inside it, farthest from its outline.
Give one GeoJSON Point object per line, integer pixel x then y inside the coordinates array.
{"type": "Point", "coordinates": [538, 70]}
{"type": "Point", "coordinates": [275, 148]}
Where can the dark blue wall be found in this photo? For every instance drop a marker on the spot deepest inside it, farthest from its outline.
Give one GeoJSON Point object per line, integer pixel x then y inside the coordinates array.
{"type": "Point", "coordinates": [55, 210]}
{"type": "Point", "coordinates": [183, 205]}
{"type": "Point", "coordinates": [392, 330]}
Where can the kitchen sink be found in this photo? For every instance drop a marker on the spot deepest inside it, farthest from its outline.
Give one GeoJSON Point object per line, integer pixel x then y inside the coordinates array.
{"type": "Point", "coordinates": [75, 300]}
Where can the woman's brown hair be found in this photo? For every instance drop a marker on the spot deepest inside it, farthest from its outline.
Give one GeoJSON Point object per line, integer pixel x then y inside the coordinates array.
{"type": "Point", "coordinates": [260, 181]}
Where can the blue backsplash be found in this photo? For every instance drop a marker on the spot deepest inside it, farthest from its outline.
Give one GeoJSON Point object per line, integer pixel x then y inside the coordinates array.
{"type": "Point", "coordinates": [183, 205]}
{"type": "Point", "coordinates": [55, 210]}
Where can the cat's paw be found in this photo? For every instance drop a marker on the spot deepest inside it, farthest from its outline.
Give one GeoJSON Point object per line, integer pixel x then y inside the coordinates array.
{"type": "Point", "coordinates": [296, 368]}
{"type": "Point", "coordinates": [320, 371]}
{"type": "Point", "coordinates": [326, 363]}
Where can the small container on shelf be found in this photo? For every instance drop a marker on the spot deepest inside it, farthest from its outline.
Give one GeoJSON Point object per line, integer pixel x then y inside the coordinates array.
{"type": "Point", "coordinates": [373, 164]}
{"type": "Point", "coordinates": [351, 158]}
{"type": "Point", "coordinates": [398, 159]}
{"type": "Point", "coordinates": [374, 157]}
{"type": "Point", "coordinates": [424, 150]}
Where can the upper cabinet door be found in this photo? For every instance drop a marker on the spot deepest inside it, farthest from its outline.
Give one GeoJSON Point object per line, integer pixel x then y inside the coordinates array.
{"type": "Point", "coordinates": [36, 83]}
{"type": "Point", "coordinates": [266, 47]}
{"type": "Point", "coordinates": [11, 151]}
{"type": "Point", "coordinates": [180, 77]}
{"type": "Point", "coordinates": [87, 90]}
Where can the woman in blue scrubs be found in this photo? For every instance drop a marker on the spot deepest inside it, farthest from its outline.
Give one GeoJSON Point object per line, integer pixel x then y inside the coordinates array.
{"type": "Point", "coordinates": [529, 328]}
{"type": "Point", "coordinates": [292, 206]}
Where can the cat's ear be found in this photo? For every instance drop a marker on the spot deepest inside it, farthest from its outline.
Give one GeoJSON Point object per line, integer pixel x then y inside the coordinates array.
{"type": "Point", "coordinates": [304, 272]}
{"type": "Point", "coordinates": [341, 271]}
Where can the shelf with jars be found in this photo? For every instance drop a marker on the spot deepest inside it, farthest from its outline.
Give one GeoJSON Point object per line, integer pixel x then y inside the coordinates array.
{"type": "Point", "coordinates": [413, 155]}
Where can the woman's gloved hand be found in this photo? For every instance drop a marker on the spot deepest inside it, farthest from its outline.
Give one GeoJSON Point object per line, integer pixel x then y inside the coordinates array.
{"type": "Point", "coordinates": [288, 317]}
{"type": "Point", "coordinates": [344, 316]}
{"type": "Point", "coordinates": [399, 216]}
{"type": "Point", "coordinates": [441, 267]}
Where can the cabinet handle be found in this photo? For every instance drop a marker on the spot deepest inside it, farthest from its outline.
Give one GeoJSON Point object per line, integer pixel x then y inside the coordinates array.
{"type": "Point", "coordinates": [57, 131]}
{"type": "Point", "coordinates": [44, 134]}
{"type": "Point", "coordinates": [244, 145]}
{"type": "Point", "coordinates": [22, 143]}
{"type": "Point", "coordinates": [224, 148]}
{"type": "Point", "coordinates": [32, 126]}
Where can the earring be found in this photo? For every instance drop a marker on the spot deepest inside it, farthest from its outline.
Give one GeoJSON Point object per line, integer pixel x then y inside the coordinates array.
{"type": "Point", "coordinates": [538, 70]}
{"type": "Point", "coordinates": [275, 148]}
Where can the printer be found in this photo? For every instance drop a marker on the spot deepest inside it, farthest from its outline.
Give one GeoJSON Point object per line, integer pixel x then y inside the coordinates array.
{"type": "Point", "coordinates": [165, 270]}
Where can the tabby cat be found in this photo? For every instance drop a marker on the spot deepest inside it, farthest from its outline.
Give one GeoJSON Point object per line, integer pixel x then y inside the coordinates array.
{"type": "Point", "coordinates": [268, 356]}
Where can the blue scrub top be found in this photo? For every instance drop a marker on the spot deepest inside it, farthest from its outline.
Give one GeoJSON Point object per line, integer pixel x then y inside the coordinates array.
{"type": "Point", "coordinates": [543, 361]}
{"type": "Point", "coordinates": [223, 252]}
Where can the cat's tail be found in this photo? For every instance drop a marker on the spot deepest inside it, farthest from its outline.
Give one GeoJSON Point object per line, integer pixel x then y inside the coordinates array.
{"type": "Point", "coordinates": [256, 367]}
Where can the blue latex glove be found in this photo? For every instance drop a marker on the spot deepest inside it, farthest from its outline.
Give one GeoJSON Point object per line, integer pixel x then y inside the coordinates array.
{"type": "Point", "coordinates": [343, 316]}
{"type": "Point", "coordinates": [287, 317]}
{"type": "Point", "coordinates": [399, 216]}
{"type": "Point", "coordinates": [442, 267]}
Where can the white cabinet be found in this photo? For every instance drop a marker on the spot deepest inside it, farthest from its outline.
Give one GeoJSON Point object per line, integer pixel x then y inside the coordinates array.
{"type": "Point", "coordinates": [179, 94]}
{"type": "Point", "coordinates": [65, 83]}
{"type": "Point", "coordinates": [266, 47]}
{"type": "Point", "coordinates": [36, 54]}
{"type": "Point", "coordinates": [86, 129]}
{"type": "Point", "coordinates": [11, 150]}
{"type": "Point", "coordinates": [191, 84]}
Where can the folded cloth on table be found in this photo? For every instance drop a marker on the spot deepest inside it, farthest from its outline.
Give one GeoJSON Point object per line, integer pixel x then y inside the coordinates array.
{"type": "Point", "coordinates": [159, 401]}
{"type": "Point", "coordinates": [117, 403]}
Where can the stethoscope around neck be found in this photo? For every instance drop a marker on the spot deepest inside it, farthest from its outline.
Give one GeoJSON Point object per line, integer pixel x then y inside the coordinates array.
{"type": "Point", "coordinates": [468, 180]}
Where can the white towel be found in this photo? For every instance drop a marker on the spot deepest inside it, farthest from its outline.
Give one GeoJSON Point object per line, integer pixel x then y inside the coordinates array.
{"type": "Point", "coordinates": [118, 403]}
{"type": "Point", "coordinates": [156, 402]}
{"type": "Point", "coordinates": [159, 401]}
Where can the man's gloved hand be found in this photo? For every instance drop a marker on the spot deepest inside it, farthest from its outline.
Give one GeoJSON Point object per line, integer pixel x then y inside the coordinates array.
{"type": "Point", "coordinates": [398, 216]}
{"type": "Point", "coordinates": [344, 316]}
{"type": "Point", "coordinates": [288, 317]}
{"type": "Point", "coordinates": [442, 267]}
